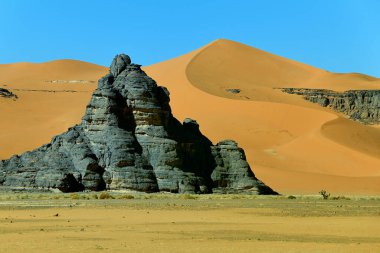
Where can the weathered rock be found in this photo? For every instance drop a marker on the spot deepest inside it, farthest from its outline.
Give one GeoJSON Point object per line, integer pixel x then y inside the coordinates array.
{"type": "Point", "coordinates": [233, 91]}
{"type": "Point", "coordinates": [358, 105]}
{"type": "Point", "coordinates": [129, 139]}
{"type": "Point", "coordinates": [7, 94]}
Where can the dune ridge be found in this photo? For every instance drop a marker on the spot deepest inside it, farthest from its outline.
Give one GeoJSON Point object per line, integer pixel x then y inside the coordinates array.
{"type": "Point", "coordinates": [294, 145]}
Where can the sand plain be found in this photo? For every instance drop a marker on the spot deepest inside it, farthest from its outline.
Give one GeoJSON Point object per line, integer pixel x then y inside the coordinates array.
{"type": "Point", "coordinates": [187, 223]}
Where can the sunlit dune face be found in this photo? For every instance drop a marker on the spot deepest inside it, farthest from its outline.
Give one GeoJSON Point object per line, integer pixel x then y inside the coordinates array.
{"type": "Point", "coordinates": [292, 145]}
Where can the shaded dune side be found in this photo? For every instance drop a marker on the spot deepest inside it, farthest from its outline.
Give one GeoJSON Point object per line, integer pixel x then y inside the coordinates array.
{"type": "Point", "coordinates": [226, 64]}
{"type": "Point", "coordinates": [289, 143]}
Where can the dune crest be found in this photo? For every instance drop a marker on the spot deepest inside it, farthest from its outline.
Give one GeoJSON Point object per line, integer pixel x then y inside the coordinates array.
{"type": "Point", "coordinates": [294, 145]}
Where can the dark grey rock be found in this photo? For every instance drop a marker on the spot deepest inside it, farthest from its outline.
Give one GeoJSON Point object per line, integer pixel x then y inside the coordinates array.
{"type": "Point", "coordinates": [119, 63]}
{"type": "Point", "coordinates": [358, 105]}
{"type": "Point", "coordinates": [129, 139]}
{"type": "Point", "coordinates": [234, 91]}
{"type": "Point", "coordinates": [7, 94]}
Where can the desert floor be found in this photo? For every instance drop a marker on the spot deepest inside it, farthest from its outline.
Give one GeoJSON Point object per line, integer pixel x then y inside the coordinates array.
{"type": "Point", "coordinates": [187, 223]}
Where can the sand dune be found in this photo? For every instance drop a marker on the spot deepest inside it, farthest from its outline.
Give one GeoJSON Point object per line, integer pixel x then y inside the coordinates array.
{"type": "Point", "coordinates": [43, 108]}
{"type": "Point", "coordinates": [225, 64]}
{"type": "Point", "coordinates": [291, 144]}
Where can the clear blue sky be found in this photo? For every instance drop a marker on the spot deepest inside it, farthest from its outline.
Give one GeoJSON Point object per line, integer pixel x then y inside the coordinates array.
{"type": "Point", "coordinates": [337, 35]}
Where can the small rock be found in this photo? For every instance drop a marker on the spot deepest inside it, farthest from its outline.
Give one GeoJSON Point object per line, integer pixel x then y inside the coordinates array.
{"type": "Point", "coordinates": [234, 91]}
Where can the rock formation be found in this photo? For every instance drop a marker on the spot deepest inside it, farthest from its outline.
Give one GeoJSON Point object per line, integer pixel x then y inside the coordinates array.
{"type": "Point", "coordinates": [358, 105]}
{"type": "Point", "coordinates": [7, 94]}
{"type": "Point", "coordinates": [129, 139]}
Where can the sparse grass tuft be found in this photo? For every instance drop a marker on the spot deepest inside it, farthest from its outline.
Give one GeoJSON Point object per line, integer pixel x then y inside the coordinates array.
{"type": "Point", "coordinates": [188, 196]}
{"type": "Point", "coordinates": [106, 195]}
{"type": "Point", "coordinates": [74, 196]}
{"type": "Point", "coordinates": [340, 198]}
{"type": "Point", "coordinates": [126, 196]}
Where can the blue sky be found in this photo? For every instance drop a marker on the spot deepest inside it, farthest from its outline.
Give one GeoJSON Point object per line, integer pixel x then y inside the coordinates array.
{"type": "Point", "coordinates": [337, 35]}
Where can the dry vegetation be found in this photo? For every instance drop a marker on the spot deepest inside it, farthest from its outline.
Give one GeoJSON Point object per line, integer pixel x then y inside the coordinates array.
{"type": "Point", "coordinates": [138, 222]}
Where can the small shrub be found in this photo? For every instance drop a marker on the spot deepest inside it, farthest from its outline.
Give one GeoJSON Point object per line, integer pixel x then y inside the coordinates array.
{"type": "Point", "coordinates": [105, 195]}
{"type": "Point", "coordinates": [340, 198]}
{"type": "Point", "coordinates": [324, 194]}
{"type": "Point", "coordinates": [188, 196]}
{"type": "Point", "coordinates": [291, 197]}
{"type": "Point", "coordinates": [74, 196]}
{"type": "Point", "coordinates": [95, 196]}
{"type": "Point", "coordinates": [126, 196]}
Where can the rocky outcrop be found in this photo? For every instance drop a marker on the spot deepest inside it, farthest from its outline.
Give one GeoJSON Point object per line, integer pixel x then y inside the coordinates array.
{"type": "Point", "coordinates": [7, 94]}
{"type": "Point", "coordinates": [129, 139]}
{"type": "Point", "coordinates": [358, 105]}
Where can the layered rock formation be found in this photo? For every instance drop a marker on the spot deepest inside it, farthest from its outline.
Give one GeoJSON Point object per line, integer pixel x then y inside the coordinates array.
{"type": "Point", "coordinates": [359, 105]}
{"type": "Point", "coordinates": [128, 139]}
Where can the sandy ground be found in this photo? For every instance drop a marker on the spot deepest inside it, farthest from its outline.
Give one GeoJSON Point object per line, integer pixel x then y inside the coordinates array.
{"type": "Point", "coordinates": [204, 224]}
{"type": "Point", "coordinates": [292, 145]}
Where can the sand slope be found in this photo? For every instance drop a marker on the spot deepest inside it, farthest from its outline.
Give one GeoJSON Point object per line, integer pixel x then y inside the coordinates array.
{"type": "Point", "coordinates": [47, 105]}
{"type": "Point", "coordinates": [291, 144]}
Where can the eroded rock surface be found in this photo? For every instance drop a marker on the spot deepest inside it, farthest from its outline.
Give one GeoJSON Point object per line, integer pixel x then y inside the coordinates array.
{"type": "Point", "coordinates": [129, 139]}
{"type": "Point", "coordinates": [7, 94]}
{"type": "Point", "coordinates": [358, 105]}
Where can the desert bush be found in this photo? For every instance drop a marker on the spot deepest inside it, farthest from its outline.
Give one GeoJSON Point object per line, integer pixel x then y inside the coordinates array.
{"type": "Point", "coordinates": [340, 198]}
{"type": "Point", "coordinates": [126, 196]}
{"type": "Point", "coordinates": [324, 194]}
{"type": "Point", "coordinates": [188, 196]}
{"type": "Point", "coordinates": [291, 197]}
{"type": "Point", "coordinates": [74, 196]}
{"type": "Point", "coordinates": [105, 195]}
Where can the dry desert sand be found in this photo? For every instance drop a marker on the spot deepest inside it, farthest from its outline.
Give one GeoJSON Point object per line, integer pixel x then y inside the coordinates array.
{"type": "Point", "coordinates": [188, 223]}
{"type": "Point", "coordinates": [294, 146]}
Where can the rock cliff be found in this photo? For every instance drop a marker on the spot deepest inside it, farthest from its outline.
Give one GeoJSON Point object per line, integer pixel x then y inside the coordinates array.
{"type": "Point", "coordinates": [358, 105]}
{"type": "Point", "coordinates": [129, 139]}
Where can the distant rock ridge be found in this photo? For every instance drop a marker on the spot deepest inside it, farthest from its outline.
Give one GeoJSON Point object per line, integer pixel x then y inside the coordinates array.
{"type": "Point", "coordinates": [358, 105]}
{"type": "Point", "coordinates": [129, 139]}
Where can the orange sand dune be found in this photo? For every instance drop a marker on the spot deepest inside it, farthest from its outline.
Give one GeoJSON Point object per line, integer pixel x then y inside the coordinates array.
{"type": "Point", "coordinates": [292, 145]}
{"type": "Point", "coordinates": [38, 114]}
{"type": "Point", "coordinates": [225, 64]}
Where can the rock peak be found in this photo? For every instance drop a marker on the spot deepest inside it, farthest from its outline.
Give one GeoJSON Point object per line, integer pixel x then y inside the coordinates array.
{"type": "Point", "coordinates": [129, 139]}
{"type": "Point", "coordinates": [119, 63]}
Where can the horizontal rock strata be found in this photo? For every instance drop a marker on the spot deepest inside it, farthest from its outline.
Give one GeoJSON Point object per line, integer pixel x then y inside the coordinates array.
{"type": "Point", "coordinates": [358, 105]}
